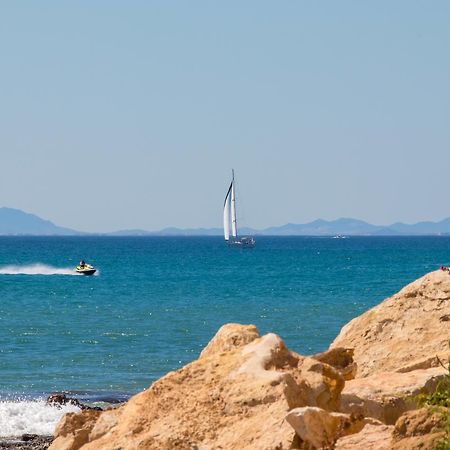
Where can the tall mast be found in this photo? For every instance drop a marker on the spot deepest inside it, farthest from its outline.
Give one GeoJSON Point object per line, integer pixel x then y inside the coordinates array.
{"type": "Point", "coordinates": [233, 207]}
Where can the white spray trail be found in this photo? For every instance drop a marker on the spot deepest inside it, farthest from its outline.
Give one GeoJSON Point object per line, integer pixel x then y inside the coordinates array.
{"type": "Point", "coordinates": [33, 417]}
{"type": "Point", "coordinates": [36, 269]}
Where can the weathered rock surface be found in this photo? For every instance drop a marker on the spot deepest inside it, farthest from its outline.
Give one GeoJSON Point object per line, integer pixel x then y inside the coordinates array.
{"type": "Point", "coordinates": [371, 437]}
{"type": "Point", "coordinates": [341, 359]}
{"type": "Point", "coordinates": [233, 399]}
{"type": "Point", "coordinates": [74, 428]}
{"type": "Point", "coordinates": [420, 429]}
{"type": "Point", "coordinates": [386, 396]}
{"type": "Point", "coordinates": [229, 337]}
{"type": "Point", "coordinates": [404, 332]}
{"type": "Point", "coordinates": [321, 384]}
{"type": "Point", "coordinates": [320, 429]}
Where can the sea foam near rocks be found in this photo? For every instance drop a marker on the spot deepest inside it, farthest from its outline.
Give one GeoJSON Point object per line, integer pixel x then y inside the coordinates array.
{"type": "Point", "coordinates": [31, 417]}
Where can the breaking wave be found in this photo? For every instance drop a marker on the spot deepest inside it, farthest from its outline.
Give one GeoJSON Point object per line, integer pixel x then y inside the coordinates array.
{"type": "Point", "coordinates": [31, 417]}
{"type": "Point", "coordinates": [36, 269]}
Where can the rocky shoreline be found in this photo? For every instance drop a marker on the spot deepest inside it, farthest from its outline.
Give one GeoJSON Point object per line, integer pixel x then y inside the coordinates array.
{"type": "Point", "coordinates": [247, 391]}
{"type": "Point", "coordinates": [26, 442]}
{"type": "Point", "coordinates": [29, 441]}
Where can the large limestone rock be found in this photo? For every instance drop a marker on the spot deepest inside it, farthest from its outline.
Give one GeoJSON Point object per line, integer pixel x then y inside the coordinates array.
{"type": "Point", "coordinates": [235, 396]}
{"type": "Point", "coordinates": [404, 332]}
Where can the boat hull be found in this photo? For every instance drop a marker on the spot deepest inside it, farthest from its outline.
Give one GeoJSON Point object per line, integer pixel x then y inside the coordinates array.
{"type": "Point", "coordinates": [86, 271]}
{"type": "Point", "coordinates": [244, 242]}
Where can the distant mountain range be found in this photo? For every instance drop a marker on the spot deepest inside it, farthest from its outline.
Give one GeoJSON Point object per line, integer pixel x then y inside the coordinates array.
{"type": "Point", "coordinates": [17, 222]}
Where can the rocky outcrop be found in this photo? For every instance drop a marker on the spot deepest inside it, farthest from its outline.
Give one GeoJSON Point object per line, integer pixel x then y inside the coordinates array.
{"type": "Point", "coordinates": [248, 391]}
{"type": "Point", "coordinates": [232, 399]}
{"type": "Point", "coordinates": [404, 332]}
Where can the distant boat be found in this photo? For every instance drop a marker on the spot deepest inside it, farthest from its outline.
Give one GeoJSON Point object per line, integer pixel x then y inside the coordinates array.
{"type": "Point", "coordinates": [229, 221]}
{"type": "Point", "coordinates": [339, 236]}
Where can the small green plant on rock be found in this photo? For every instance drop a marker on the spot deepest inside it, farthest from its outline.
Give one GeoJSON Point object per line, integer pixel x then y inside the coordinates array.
{"type": "Point", "coordinates": [439, 401]}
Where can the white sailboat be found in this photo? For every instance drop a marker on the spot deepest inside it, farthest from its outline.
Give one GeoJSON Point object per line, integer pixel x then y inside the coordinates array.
{"type": "Point", "coordinates": [229, 221]}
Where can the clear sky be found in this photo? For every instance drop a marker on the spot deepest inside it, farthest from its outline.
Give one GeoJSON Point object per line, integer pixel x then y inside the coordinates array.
{"type": "Point", "coordinates": [119, 114]}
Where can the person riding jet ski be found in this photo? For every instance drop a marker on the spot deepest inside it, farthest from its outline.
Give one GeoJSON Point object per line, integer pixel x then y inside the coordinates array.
{"type": "Point", "coordinates": [85, 269]}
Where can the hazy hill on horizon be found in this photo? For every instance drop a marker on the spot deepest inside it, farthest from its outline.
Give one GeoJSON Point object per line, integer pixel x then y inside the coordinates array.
{"type": "Point", "coordinates": [17, 222]}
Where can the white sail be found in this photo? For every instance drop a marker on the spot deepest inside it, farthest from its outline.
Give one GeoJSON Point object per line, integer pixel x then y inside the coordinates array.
{"type": "Point", "coordinates": [230, 223]}
{"type": "Point", "coordinates": [233, 211]}
{"type": "Point", "coordinates": [226, 214]}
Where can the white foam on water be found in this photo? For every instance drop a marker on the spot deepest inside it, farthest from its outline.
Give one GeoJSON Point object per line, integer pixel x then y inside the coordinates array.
{"type": "Point", "coordinates": [33, 417]}
{"type": "Point", "coordinates": [36, 269]}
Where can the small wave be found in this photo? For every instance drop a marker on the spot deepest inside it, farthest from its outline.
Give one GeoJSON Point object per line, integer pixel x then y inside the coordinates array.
{"type": "Point", "coordinates": [36, 269]}
{"type": "Point", "coordinates": [31, 417]}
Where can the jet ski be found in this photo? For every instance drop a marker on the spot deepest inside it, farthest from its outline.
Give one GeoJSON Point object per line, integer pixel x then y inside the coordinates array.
{"type": "Point", "coordinates": [85, 269]}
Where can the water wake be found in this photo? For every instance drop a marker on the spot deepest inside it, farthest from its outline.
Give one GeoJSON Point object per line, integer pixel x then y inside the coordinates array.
{"type": "Point", "coordinates": [33, 417]}
{"type": "Point", "coordinates": [36, 269]}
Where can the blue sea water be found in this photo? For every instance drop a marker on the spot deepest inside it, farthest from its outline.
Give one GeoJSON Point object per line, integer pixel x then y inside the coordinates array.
{"type": "Point", "coordinates": [157, 301]}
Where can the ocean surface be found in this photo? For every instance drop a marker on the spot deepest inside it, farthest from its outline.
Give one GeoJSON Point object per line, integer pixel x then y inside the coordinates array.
{"type": "Point", "coordinates": [157, 301]}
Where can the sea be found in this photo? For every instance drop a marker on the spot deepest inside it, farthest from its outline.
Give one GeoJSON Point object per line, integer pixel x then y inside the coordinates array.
{"type": "Point", "coordinates": [155, 302]}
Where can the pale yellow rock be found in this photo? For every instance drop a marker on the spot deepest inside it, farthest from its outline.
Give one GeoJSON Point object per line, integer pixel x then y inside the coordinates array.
{"type": "Point", "coordinates": [229, 337]}
{"type": "Point", "coordinates": [320, 429]}
{"type": "Point", "coordinates": [371, 437]}
{"type": "Point", "coordinates": [386, 396]}
{"type": "Point", "coordinates": [322, 384]}
{"type": "Point", "coordinates": [404, 332]}
{"type": "Point", "coordinates": [73, 430]}
{"type": "Point", "coordinates": [315, 426]}
{"type": "Point", "coordinates": [104, 424]}
{"type": "Point", "coordinates": [341, 359]}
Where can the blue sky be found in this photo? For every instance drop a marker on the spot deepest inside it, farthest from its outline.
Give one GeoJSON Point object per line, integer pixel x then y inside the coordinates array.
{"type": "Point", "coordinates": [121, 115]}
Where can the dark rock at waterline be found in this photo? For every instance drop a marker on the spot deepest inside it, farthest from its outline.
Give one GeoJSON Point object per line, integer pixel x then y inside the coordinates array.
{"type": "Point", "coordinates": [26, 442]}
{"type": "Point", "coordinates": [61, 399]}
